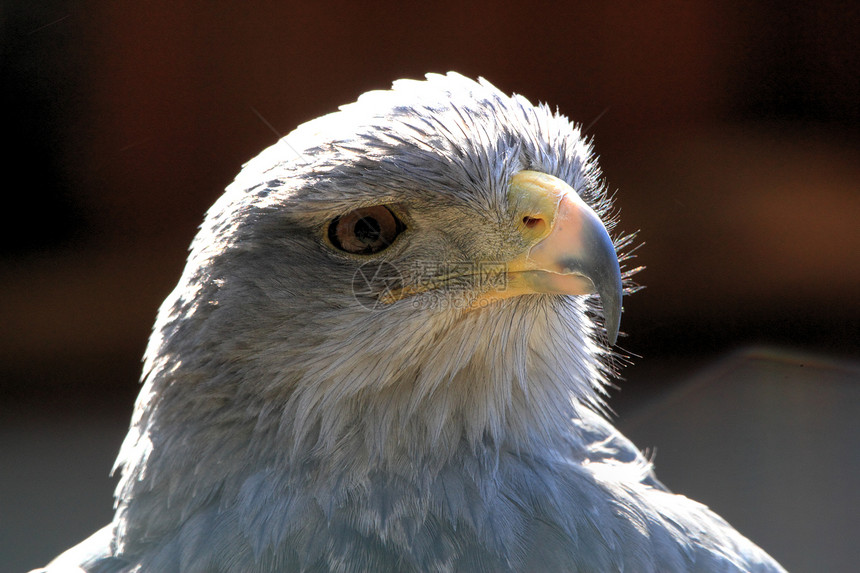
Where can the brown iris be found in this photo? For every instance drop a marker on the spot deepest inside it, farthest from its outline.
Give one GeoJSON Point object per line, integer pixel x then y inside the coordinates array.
{"type": "Point", "coordinates": [365, 231]}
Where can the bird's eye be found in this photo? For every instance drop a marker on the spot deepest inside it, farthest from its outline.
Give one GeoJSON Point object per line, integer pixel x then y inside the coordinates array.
{"type": "Point", "coordinates": [365, 231]}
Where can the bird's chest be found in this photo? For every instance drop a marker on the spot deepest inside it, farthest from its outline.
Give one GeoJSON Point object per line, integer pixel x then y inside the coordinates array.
{"type": "Point", "coordinates": [455, 520]}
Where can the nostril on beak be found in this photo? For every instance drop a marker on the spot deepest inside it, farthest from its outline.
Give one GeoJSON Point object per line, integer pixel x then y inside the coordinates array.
{"type": "Point", "coordinates": [532, 222]}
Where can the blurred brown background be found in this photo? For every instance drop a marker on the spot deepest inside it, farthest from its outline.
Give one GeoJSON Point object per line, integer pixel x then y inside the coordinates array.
{"type": "Point", "coordinates": [729, 129]}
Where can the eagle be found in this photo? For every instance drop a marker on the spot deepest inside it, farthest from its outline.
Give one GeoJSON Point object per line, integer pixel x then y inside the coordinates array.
{"type": "Point", "coordinates": [389, 351]}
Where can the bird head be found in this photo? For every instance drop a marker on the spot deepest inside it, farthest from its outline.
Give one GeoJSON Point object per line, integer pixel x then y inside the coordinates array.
{"type": "Point", "coordinates": [431, 261]}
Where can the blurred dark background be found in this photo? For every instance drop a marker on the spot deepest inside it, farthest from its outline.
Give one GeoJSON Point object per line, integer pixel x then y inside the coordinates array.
{"type": "Point", "coordinates": [729, 129]}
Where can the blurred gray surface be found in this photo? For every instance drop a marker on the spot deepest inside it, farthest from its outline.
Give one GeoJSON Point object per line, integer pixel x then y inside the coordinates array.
{"type": "Point", "coordinates": [54, 487]}
{"type": "Point", "coordinates": [768, 439]}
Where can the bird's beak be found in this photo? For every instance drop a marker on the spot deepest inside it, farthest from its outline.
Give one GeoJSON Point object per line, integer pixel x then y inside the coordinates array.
{"type": "Point", "coordinates": [568, 249]}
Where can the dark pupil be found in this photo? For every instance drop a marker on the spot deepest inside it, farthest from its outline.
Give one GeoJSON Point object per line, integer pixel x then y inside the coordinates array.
{"type": "Point", "coordinates": [367, 230]}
